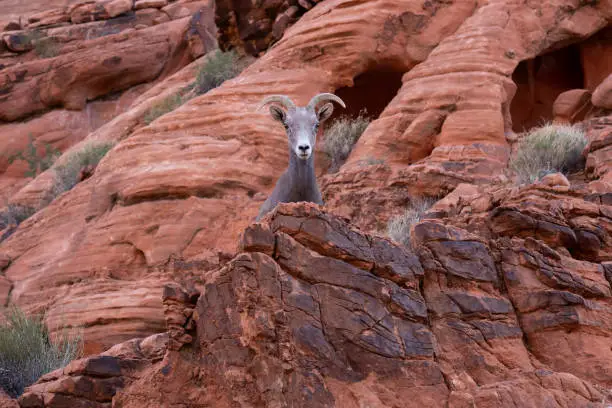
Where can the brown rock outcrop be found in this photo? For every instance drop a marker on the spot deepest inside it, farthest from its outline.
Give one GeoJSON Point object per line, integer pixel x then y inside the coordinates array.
{"type": "Point", "coordinates": [6, 401]}
{"type": "Point", "coordinates": [93, 382]}
{"type": "Point", "coordinates": [599, 157]}
{"type": "Point", "coordinates": [314, 312]}
{"type": "Point", "coordinates": [185, 186]}
{"type": "Point", "coordinates": [110, 64]}
{"type": "Point", "coordinates": [602, 96]}
{"type": "Point", "coordinates": [254, 27]}
{"type": "Point", "coordinates": [460, 65]}
{"type": "Point", "coordinates": [572, 106]}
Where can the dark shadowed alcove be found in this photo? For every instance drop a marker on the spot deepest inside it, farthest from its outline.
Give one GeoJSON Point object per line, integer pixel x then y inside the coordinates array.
{"type": "Point", "coordinates": [539, 82]}
{"type": "Point", "coordinates": [372, 90]}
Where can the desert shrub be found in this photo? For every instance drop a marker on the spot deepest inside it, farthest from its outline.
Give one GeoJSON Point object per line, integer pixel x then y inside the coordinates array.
{"type": "Point", "coordinates": [67, 174]}
{"type": "Point", "coordinates": [27, 352]}
{"type": "Point", "coordinates": [167, 105]}
{"type": "Point", "coordinates": [218, 68]}
{"type": "Point", "coordinates": [398, 228]}
{"type": "Point", "coordinates": [36, 163]}
{"type": "Point", "coordinates": [341, 136]}
{"type": "Point", "coordinates": [548, 149]}
{"type": "Point", "coordinates": [14, 215]}
{"type": "Point", "coordinates": [46, 47]}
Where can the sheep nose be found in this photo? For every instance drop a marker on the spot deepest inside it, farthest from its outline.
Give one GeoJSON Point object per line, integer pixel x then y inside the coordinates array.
{"type": "Point", "coordinates": [304, 148]}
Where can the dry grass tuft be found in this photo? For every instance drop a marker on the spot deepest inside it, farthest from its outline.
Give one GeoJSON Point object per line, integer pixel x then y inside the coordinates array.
{"type": "Point", "coordinates": [548, 149]}
{"type": "Point", "coordinates": [340, 138]}
{"type": "Point", "coordinates": [67, 174]}
{"type": "Point", "coordinates": [218, 68]}
{"type": "Point", "coordinates": [398, 228]}
{"type": "Point", "coordinates": [27, 352]}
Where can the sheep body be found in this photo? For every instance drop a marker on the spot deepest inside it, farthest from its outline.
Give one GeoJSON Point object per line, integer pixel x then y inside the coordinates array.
{"type": "Point", "coordinates": [298, 182]}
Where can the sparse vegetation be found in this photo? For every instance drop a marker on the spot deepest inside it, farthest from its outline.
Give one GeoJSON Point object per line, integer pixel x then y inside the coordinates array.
{"type": "Point", "coordinates": [11, 218]}
{"type": "Point", "coordinates": [218, 68]}
{"type": "Point", "coordinates": [398, 228]}
{"type": "Point", "coordinates": [548, 149]}
{"type": "Point", "coordinates": [15, 214]}
{"type": "Point", "coordinates": [165, 106]}
{"type": "Point", "coordinates": [373, 161]}
{"type": "Point", "coordinates": [27, 352]}
{"type": "Point", "coordinates": [67, 174]}
{"type": "Point", "coordinates": [46, 47]}
{"type": "Point", "coordinates": [43, 46]}
{"type": "Point", "coordinates": [341, 136]}
{"type": "Point", "coordinates": [36, 163]}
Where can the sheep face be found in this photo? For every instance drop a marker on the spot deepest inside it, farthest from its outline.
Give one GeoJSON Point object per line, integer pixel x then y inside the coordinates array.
{"type": "Point", "coordinates": [302, 125]}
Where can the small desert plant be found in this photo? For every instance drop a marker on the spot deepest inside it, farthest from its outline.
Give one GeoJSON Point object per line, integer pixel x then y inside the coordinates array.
{"type": "Point", "coordinates": [15, 214]}
{"type": "Point", "coordinates": [46, 47]}
{"type": "Point", "coordinates": [167, 105]}
{"type": "Point", "coordinates": [398, 228]}
{"type": "Point", "coordinates": [27, 352]}
{"type": "Point", "coordinates": [218, 68]}
{"type": "Point", "coordinates": [36, 163]}
{"type": "Point", "coordinates": [341, 136]}
{"type": "Point", "coordinates": [548, 149]}
{"type": "Point", "coordinates": [67, 174]}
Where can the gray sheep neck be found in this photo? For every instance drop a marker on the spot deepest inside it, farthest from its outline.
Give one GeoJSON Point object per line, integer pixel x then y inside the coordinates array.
{"type": "Point", "coordinates": [302, 175]}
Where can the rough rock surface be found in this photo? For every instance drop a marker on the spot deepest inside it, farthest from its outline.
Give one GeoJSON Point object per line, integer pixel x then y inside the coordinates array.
{"type": "Point", "coordinates": [463, 84]}
{"type": "Point", "coordinates": [182, 189]}
{"type": "Point", "coordinates": [93, 382]}
{"type": "Point", "coordinates": [253, 27]}
{"type": "Point", "coordinates": [90, 63]}
{"type": "Point", "coordinates": [316, 313]}
{"type": "Point", "coordinates": [602, 97]}
{"type": "Point", "coordinates": [599, 157]}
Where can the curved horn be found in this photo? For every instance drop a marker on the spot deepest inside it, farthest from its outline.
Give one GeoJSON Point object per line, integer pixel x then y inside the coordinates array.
{"type": "Point", "coordinates": [281, 99]}
{"type": "Point", "coordinates": [324, 97]}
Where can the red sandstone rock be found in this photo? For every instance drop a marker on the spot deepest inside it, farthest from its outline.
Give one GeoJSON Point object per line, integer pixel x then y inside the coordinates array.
{"type": "Point", "coordinates": [599, 155]}
{"type": "Point", "coordinates": [602, 96]}
{"type": "Point", "coordinates": [6, 401]}
{"type": "Point", "coordinates": [314, 312]}
{"type": "Point", "coordinates": [115, 8]}
{"type": "Point", "coordinates": [109, 64]}
{"type": "Point", "coordinates": [49, 17]}
{"type": "Point", "coordinates": [180, 189]}
{"type": "Point", "coordinates": [141, 4]}
{"type": "Point", "coordinates": [571, 106]}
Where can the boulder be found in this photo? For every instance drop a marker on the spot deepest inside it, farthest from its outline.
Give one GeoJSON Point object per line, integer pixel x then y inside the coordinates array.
{"type": "Point", "coordinates": [602, 96]}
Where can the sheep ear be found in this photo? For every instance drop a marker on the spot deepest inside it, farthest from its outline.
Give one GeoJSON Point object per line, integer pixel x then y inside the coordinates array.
{"type": "Point", "coordinates": [277, 113]}
{"type": "Point", "coordinates": [325, 112]}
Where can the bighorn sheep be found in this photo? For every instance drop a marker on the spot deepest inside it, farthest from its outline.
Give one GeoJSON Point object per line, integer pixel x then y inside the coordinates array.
{"type": "Point", "coordinates": [298, 182]}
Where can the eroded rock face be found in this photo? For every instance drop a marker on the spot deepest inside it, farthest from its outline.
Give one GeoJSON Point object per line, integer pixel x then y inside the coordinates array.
{"type": "Point", "coordinates": [185, 187]}
{"type": "Point", "coordinates": [254, 27]}
{"type": "Point", "coordinates": [93, 382]}
{"type": "Point", "coordinates": [314, 312]}
{"type": "Point", "coordinates": [429, 99]}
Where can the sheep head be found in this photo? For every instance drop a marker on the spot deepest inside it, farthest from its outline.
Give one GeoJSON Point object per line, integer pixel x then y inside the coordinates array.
{"type": "Point", "coordinates": [301, 123]}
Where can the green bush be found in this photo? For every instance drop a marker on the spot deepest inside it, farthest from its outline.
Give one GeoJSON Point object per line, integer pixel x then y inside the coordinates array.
{"type": "Point", "coordinates": [218, 68]}
{"type": "Point", "coordinates": [341, 136]}
{"type": "Point", "coordinates": [27, 352]}
{"type": "Point", "coordinates": [31, 155]}
{"type": "Point", "coordinates": [165, 106]}
{"type": "Point", "coordinates": [398, 228]}
{"type": "Point", "coordinates": [548, 149]}
{"type": "Point", "coordinates": [67, 174]}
